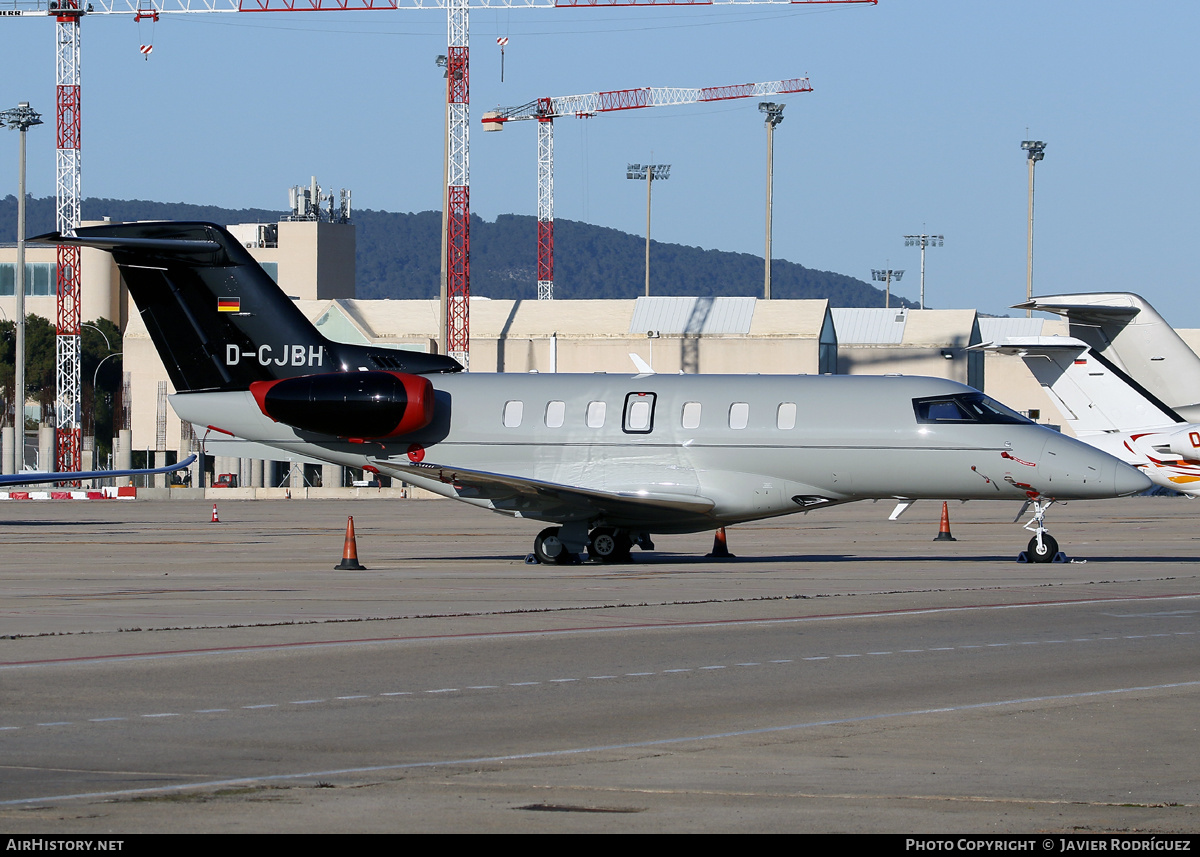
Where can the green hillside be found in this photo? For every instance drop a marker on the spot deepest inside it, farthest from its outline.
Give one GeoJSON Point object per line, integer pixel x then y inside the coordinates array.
{"type": "Point", "coordinates": [398, 256]}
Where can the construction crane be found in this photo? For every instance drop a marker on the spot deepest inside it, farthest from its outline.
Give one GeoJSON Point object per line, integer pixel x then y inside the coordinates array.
{"type": "Point", "coordinates": [68, 14]}
{"type": "Point", "coordinates": [546, 110]}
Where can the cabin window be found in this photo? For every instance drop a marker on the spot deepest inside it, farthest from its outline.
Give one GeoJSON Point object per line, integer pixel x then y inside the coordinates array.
{"type": "Point", "coordinates": [555, 413]}
{"type": "Point", "coordinates": [785, 417]}
{"type": "Point", "coordinates": [512, 413]}
{"type": "Point", "coordinates": [639, 413]}
{"type": "Point", "coordinates": [691, 415]}
{"type": "Point", "coordinates": [595, 414]}
{"type": "Point", "coordinates": [739, 415]}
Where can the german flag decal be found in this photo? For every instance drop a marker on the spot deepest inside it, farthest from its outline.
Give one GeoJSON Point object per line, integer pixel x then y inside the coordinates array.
{"type": "Point", "coordinates": [229, 304]}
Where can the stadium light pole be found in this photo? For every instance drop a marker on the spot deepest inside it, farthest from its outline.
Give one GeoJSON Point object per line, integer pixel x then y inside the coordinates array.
{"type": "Point", "coordinates": [923, 240]}
{"type": "Point", "coordinates": [774, 117]}
{"type": "Point", "coordinates": [886, 275]}
{"type": "Point", "coordinates": [651, 173]}
{"type": "Point", "coordinates": [1035, 150]}
{"type": "Point", "coordinates": [20, 118]}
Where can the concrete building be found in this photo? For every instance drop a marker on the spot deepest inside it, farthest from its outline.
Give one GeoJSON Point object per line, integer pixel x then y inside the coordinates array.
{"type": "Point", "coordinates": [313, 259]}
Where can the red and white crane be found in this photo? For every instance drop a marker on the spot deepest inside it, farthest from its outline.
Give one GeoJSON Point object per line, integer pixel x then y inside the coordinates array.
{"type": "Point", "coordinates": [68, 14]}
{"type": "Point", "coordinates": [546, 110]}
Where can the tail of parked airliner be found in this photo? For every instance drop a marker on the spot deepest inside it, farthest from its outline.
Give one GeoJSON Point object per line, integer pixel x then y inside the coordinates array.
{"type": "Point", "coordinates": [217, 319]}
{"type": "Point", "coordinates": [1128, 332]}
{"type": "Point", "coordinates": [1093, 394]}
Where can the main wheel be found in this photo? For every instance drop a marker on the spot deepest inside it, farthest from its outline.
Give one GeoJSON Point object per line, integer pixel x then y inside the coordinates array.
{"type": "Point", "coordinates": [603, 544]}
{"type": "Point", "coordinates": [549, 549]}
{"type": "Point", "coordinates": [1046, 552]}
{"type": "Point", "coordinates": [609, 545]}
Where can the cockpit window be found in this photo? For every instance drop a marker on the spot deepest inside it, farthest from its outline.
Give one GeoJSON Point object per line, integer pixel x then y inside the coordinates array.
{"type": "Point", "coordinates": [964, 408]}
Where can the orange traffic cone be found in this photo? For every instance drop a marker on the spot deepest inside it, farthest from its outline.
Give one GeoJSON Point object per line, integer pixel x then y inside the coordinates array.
{"type": "Point", "coordinates": [720, 548]}
{"type": "Point", "coordinates": [215, 519]}
{"type": "Point", "coordinates": [944, 532]}
{"type": "Point", "coordinates": [350, 551]}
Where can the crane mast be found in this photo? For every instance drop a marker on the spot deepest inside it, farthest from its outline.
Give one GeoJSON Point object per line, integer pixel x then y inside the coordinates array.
{"type": "Point", "coordinates": [546, 110]}
{"type": "Point", "coordinates": [68, 174]}
{"type": "Point", "coordinates": [458, 186]}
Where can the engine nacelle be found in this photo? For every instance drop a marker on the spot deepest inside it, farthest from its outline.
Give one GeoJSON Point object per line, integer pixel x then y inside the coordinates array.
{"type": "Point", "coordinates": [354, 405]}
{"type": "Point", "coordinates": [1186, 442]}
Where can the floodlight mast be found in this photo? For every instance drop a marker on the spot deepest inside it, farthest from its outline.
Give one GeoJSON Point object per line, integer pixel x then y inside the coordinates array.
{"type": "Point", "coordinates": [1035, 150]}
{"type": "Point", "coordinates": [923, 240]}
{"type": "Point", "coordinates": [21, 118]}
{"type": "Point", "coordinates": [885, 276]}
{"type": "Point", "coordinates": [774, 117]}
{"type": "Point", "coordinates": [649, 172]}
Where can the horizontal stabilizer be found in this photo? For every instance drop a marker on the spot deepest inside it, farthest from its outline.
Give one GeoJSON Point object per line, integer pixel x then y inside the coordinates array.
{"type": "Point", "coordinates": [174, 247]}
{"type": "Point", "coordinates": [1093, 395]}
{"type": "Point", "coordinates": [1079, 308]}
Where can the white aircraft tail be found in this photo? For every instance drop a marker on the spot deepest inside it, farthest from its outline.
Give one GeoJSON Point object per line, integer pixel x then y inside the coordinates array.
{"type": "Point", "coordinates": [1123, 328]}
{"type": "Point", "coordinates": [1094, 395]}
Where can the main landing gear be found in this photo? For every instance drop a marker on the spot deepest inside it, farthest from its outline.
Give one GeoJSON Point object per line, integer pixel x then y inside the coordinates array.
{"type": "Point", "coordinates": [548, 548]}
{"type": "Point", "coordinates": [608, 544]}
{"type": "Point", "coordinates": [1042, 547]}
{"type": "Point", "coordinates": [604, 544]}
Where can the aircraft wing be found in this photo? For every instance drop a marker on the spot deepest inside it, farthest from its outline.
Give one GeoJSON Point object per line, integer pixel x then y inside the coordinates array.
{"type": "Point", "coordinates": [536, 498]}
{"type": "Point", "coordinates": [76, 476]}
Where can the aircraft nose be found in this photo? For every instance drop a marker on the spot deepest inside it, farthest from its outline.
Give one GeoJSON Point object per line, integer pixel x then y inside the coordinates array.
{"type": "Point", "coordinates": [1129, 480]}
{"type": "Point", "coordinates": [1074, 469]}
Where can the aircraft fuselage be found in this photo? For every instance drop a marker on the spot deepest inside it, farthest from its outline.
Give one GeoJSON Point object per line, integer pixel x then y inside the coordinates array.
{"type": "Point", "coordinates": [714, 449]}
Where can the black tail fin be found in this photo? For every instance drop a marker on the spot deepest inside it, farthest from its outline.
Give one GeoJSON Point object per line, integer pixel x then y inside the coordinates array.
{"type": "Point", "coordinates": [217, 319]}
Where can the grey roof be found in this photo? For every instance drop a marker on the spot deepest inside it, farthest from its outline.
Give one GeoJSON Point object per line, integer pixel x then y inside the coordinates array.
{"type": "Point", "coordinates": [869, 325]}
{"type": "Point", "coordinates": [692, 315]}
{"type": "Point", "coordinates": [995, 329]}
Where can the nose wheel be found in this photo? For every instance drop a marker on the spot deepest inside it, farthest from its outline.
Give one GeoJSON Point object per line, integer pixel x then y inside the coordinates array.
{"type": "Point", "coordinates": [1042, 547]}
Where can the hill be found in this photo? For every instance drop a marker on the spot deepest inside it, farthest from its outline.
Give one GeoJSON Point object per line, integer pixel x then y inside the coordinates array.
{"type": "Point", "coordinates": [398, 256]}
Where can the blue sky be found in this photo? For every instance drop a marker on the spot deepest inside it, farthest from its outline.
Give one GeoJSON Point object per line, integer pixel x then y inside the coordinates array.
{"type": "Point", "coordinates": [915, 124]}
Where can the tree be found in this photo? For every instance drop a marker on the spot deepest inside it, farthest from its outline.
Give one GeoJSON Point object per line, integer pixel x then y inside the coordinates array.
{"type": "Point", "coordinates": [41, 375]}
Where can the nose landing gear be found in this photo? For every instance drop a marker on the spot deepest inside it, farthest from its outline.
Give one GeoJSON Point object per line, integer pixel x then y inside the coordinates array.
{"type": "Point", "coordinates": [1042, 547]}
